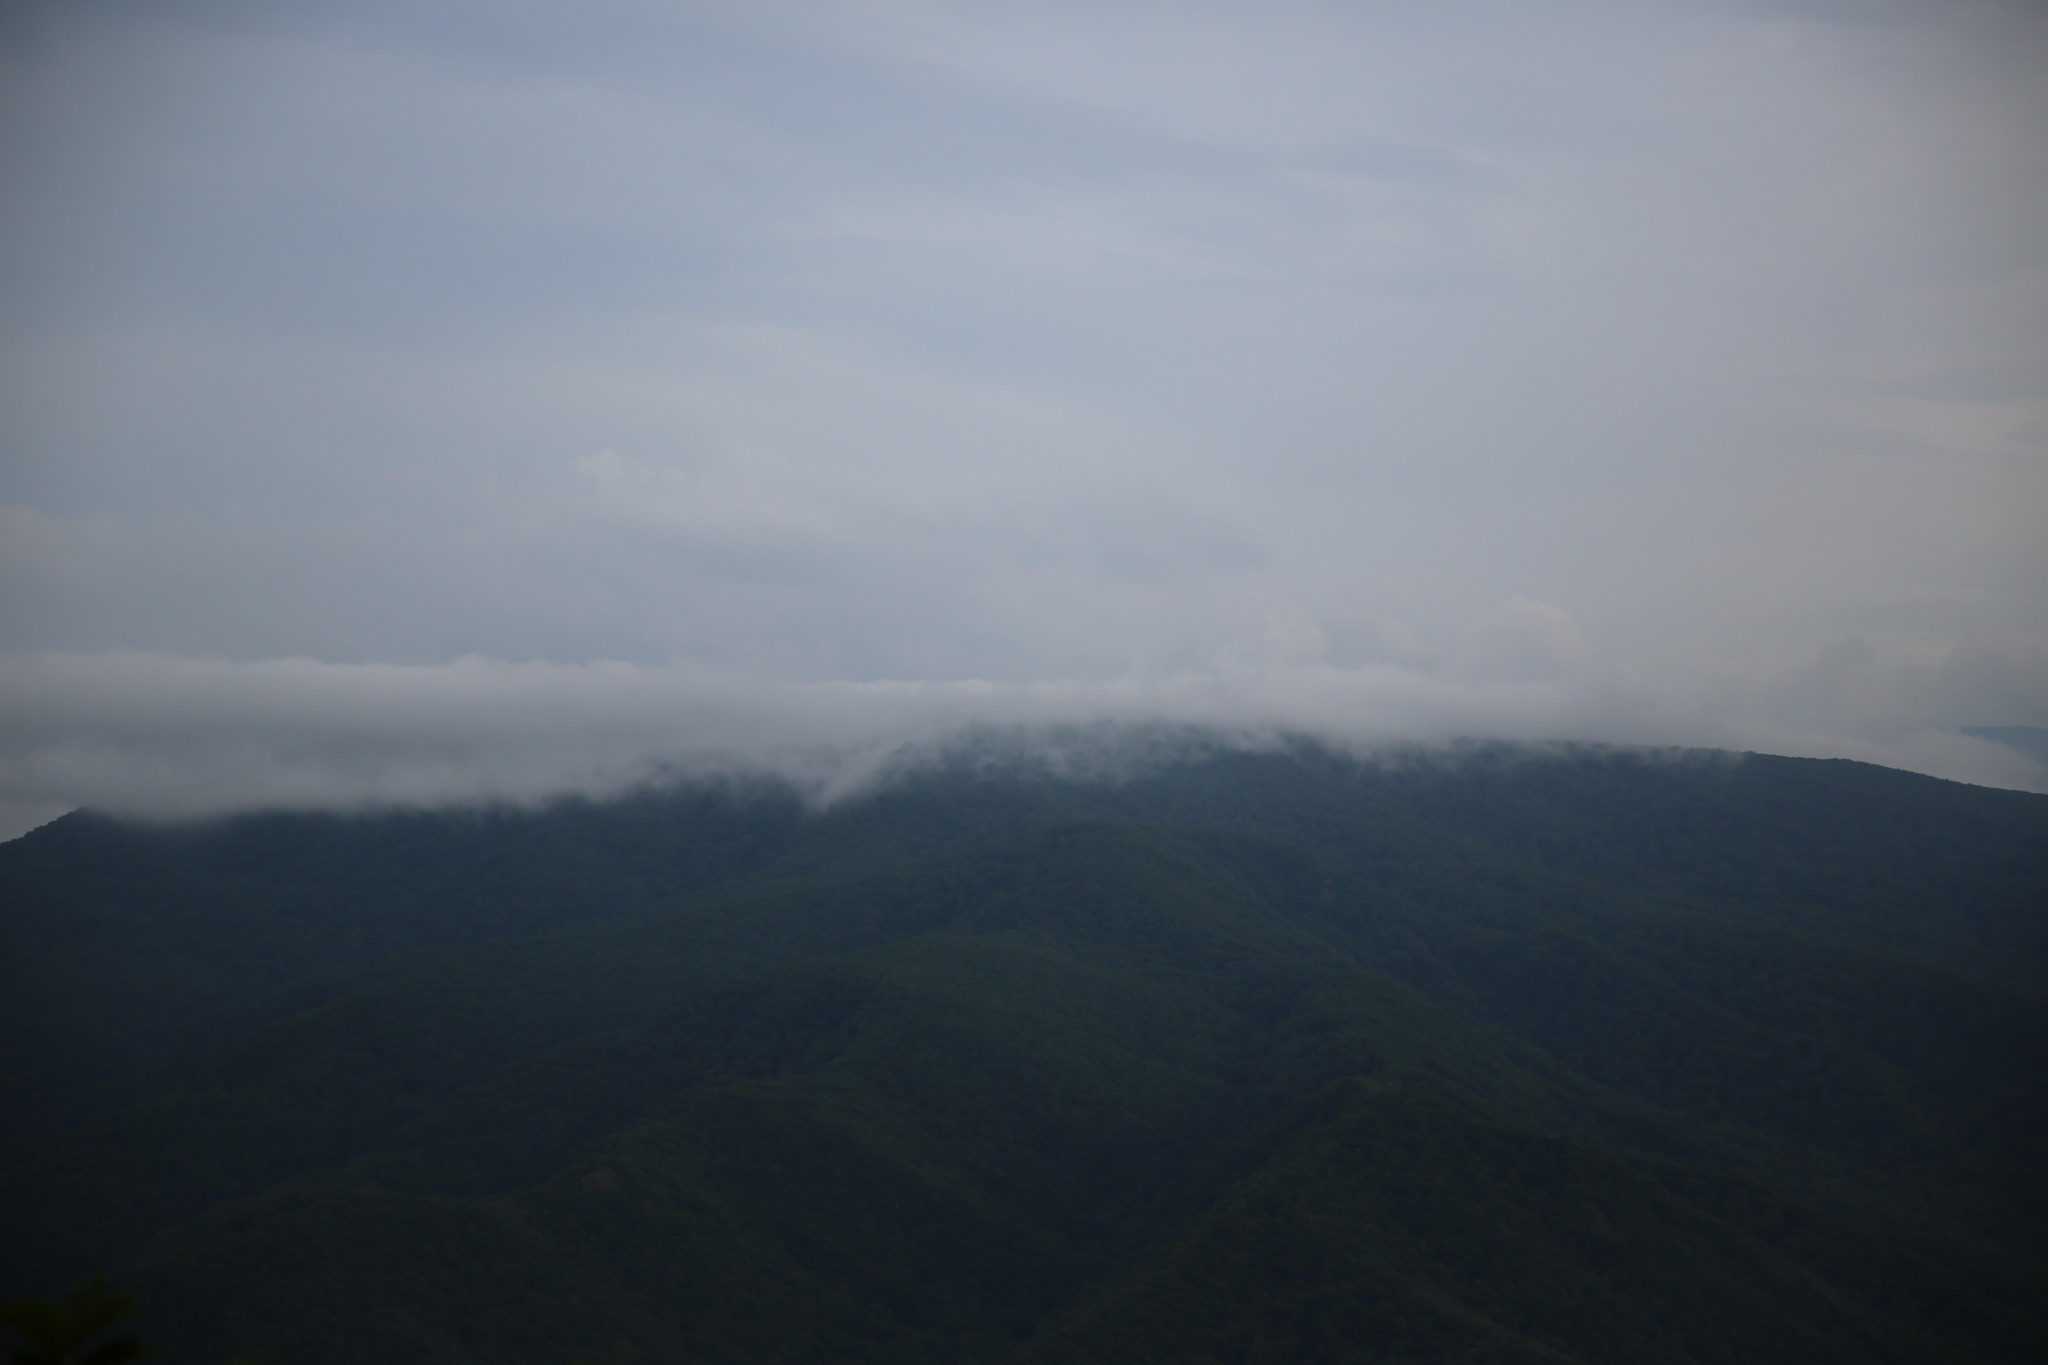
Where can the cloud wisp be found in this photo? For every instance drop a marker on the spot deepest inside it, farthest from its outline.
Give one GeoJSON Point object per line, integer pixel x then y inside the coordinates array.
{"type": "Point", "coordinates": [159, 737]}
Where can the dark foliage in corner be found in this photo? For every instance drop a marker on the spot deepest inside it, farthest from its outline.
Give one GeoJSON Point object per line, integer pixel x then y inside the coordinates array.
{"type": "Point", "coordinates": [82, 1329]}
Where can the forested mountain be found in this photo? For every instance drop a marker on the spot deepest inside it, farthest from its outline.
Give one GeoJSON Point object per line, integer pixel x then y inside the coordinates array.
{"type": "Point", "coordinates": [1239, 1057]}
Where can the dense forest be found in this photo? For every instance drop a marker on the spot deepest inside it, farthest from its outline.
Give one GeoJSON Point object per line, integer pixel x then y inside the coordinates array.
{"type": "Point", "coordinates": [1230, 1056]}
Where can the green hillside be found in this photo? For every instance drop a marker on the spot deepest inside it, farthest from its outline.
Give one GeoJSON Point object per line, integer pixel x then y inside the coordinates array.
{"type": "Point", "coordinates": [1239, 1057]}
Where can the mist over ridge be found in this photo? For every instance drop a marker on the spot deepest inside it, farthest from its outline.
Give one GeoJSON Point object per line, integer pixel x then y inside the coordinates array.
{"type": "Point", "coordinates": [158, 737]}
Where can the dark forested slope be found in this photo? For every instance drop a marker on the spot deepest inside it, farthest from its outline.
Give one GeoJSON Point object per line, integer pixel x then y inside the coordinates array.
{"type": "Point", "coordinates": [1583, 1056]}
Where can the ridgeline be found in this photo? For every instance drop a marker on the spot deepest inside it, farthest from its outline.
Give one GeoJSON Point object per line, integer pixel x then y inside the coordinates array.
{"type": "Point", "coordinates": [1588, 1056]}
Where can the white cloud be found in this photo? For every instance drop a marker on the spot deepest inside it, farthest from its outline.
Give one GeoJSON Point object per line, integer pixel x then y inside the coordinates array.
{"type": "Point", "coordinates": [1522, 640]}
{"type": "Point", "coordinates": [160, 736]}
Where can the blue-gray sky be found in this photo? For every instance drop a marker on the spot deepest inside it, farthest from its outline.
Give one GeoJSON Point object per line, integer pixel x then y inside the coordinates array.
{"type": "Point", "coordinates": [431, 400]}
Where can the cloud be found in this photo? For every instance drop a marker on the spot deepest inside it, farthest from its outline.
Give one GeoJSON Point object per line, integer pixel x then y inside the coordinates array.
{"type": "Point", "coordinates": [159, 736]}
{"type": "Point", "coordinates": [1521, 639]}
{"type": "Point", "coordinates": [1856, 687]}
{"type": "Point", "coordinates": [156, 735]}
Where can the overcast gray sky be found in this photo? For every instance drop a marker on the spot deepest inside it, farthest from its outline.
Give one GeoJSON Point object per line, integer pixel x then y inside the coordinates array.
{"type": "Point", "coordinates": [434, 400]}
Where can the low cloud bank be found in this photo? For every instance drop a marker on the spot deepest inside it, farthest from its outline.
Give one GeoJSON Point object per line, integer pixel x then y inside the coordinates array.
{"type": "Point", "coordinates": [163, 737]}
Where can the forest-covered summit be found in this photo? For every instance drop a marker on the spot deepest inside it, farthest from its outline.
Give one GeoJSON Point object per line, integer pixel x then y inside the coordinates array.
{"type": "Point", "coordinates": [1582, 1055]}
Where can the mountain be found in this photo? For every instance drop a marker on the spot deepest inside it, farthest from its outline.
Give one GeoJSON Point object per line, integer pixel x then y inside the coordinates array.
{"type": "Point", "coordinates": [1580, 1055]}
{"type": "Point", "coordinates": [2031, 740]}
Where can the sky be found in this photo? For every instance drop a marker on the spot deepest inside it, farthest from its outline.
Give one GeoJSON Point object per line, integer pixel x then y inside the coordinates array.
{"type": "Point", "coordinates": [449, 401]}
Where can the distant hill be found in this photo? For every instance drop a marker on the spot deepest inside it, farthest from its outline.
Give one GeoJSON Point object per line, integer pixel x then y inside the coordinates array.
{"type": "Point", "coordinates": [1585, 1056]}
{"type": "Point", "coordinates": [2028, 739]}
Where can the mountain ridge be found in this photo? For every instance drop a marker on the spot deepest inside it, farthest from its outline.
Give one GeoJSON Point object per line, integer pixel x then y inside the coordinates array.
{"type": "Point", "coordinates": [995, 1065]}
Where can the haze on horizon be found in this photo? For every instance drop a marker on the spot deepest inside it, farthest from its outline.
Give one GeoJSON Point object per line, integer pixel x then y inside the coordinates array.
{"type": "Point", "coordinates": [433, 401]}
